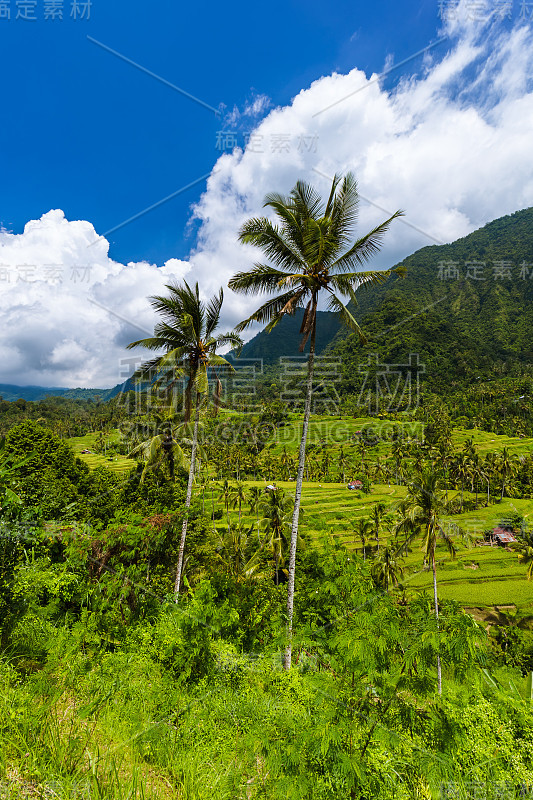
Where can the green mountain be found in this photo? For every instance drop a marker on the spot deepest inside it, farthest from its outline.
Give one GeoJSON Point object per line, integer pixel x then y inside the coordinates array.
{"type": "Point", "coordinates": [465, 308]}
{"type": "Point", "coordinates": [10, 392]}
{"type": "Point", "coordinates": [284, 339]}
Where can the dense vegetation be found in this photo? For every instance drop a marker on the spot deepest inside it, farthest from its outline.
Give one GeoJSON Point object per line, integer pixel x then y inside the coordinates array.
{"type": "Point", "coordinates": [146, 552]}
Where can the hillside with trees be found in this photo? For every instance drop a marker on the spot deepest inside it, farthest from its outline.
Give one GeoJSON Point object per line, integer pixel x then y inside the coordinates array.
{"type": "Point", "coordinates": [206, 598]}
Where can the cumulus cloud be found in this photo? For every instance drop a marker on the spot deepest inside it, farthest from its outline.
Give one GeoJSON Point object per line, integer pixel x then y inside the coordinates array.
{"type": "Point", "coordinates": [67, 309]}
{"type": "Point", "coordinates": [450, 145]}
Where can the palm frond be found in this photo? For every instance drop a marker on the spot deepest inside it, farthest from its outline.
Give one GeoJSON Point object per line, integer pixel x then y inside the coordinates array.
{"type": "Point", "coordinates": [260, 232]}
{"type": "Point", "coordinates": [213, 313]}
{"type": "Point", "coordinates": [261, 278]}
{"type": "Point", "coordinates": [270, 312]}
{"type": "Point", "coordinates": [335, 304]}
{"type": "Point", "coordinates": [365, 247]}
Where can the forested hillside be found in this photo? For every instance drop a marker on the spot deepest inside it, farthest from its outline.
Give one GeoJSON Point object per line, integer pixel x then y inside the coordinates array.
{"type": "Point", "coordinates": [465, 307]}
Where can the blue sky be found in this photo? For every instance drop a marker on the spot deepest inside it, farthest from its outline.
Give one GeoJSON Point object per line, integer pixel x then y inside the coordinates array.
{"type": "Point", "coordinates": [86, 132]}
{"type": "Point", "coordinates": [88, 140]}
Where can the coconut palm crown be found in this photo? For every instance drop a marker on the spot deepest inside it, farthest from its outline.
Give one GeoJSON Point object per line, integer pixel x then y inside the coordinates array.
{"type": "Point", "coordinates": [187, 334]}
{"type": "Point", "coordinates": [310, 252]}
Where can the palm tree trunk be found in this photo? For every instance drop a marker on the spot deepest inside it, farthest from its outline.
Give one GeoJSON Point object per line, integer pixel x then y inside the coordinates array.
{"type": "Point", "coordinates": [298, 496]}
{"type": "Point", "coordinates": [187, 501]}
{"type": "Point", "coordinates": [439, 670]}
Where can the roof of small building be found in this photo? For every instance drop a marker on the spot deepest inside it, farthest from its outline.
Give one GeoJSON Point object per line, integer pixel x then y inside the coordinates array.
{"type": "Point", "coordinates": [503, 535]}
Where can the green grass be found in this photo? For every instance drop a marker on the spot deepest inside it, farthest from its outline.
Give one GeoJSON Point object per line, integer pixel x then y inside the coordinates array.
{"type": "Point", "coordinates": [115, 463]}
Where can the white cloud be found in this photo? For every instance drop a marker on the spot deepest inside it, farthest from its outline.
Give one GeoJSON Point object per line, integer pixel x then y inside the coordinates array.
{"type": "Point", "coordinates": [55, 290]}
{"type": "Point", "coordinates": [451, 146]}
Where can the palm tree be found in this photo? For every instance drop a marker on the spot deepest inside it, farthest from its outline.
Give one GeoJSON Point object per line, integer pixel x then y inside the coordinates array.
{"type": "Point", "coordinates": [309, 255]}
{"type": "Point", "coordinates": [187, 336]}
{"type": "Point", "coordinates": [238, 498]}
{"type": "Point", "coordinates": [254, 496]}
{"type": "Point", "coordinates": [398, 453]}
{"type": "Point", "coordinates": [364, 530]}
{"type": "Point", "coordinates": [490, 468]}
{"type": "Point", "coordinates": [479, 473]}
{"type": "Point", "coordinates": [507, 466]}
{"type": "Point", "coordinates": [276, 508]}
{"type": "Point", "coordinates": [342, 463]}
{"type": "Point", "coordinates": [386, 568]}
{"type": "Point", "coordinates": [226, 494]}
{"type": "Point", "coordinates": [378, 514]}
{"type": "Point", "coordinates": [238, 553]}
{"type": "Point", "coordinates": [423, 508]}
{"type": "Point", "coordinates": [162, 451]}
{"type": "Point", "coordinates": [524, 546]}
{"type": "Point", "coordinates": [462, 470]}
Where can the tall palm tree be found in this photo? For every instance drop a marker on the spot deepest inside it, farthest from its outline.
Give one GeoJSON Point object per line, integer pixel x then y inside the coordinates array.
{"type": "Point", "coordinates": [423, 508]}
{"type": "Point", "coordinates": [310, 254]}
{"type": "Point", "coordinates": [187, 335]}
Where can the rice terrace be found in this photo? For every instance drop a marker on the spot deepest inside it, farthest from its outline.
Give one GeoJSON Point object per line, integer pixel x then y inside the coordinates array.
{"type": "Point", "coordinates": [266, 401]}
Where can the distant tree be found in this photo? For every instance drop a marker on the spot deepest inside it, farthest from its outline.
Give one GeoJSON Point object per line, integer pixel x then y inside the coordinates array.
{"type": "Point", "coordinates": [423, 509]}
{"type": "Point", "coordinates": [276, 507]}
{"type": "Point", "coordinates": [238, 497]}
{"type": "Point", "coordinates": [524, 547]}
{"type": "Point", "coordinates": [364, 530]}
{"type": "Point", "coordinates": [507, 465]}
{"type": "Point", "coordinates": [239, 553]}
{"type": "Point", "coordinates": [386, 568]}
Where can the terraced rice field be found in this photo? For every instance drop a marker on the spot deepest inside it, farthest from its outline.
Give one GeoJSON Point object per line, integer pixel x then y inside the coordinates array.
{"type": "Point", "coordinates": [115, 463]}
{"type": "Point", "coordinates": [495, 579]}
{"type": "Point", "coordinates": [479, 576]}
{"type": "Point", "coordinates": [337, 431]}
